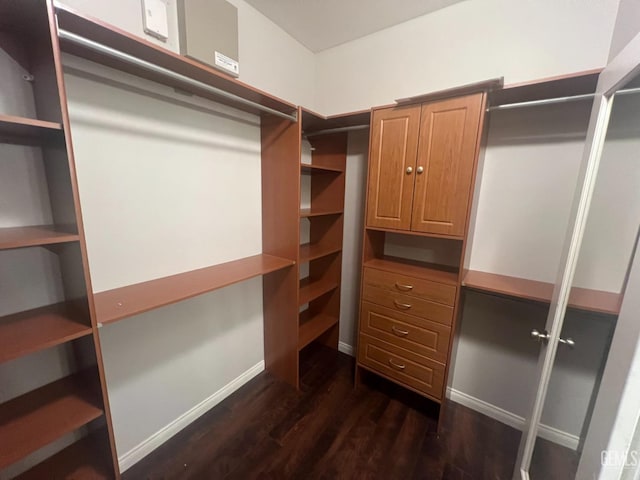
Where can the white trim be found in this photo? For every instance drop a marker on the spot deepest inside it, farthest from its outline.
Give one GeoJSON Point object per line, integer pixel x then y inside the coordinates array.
{"type": "Point", "coordinates": [144, 448]}
{"type": "Point", "coordinates": [508, 418]}
{"type": "Point", "coordinates": [345, 348]}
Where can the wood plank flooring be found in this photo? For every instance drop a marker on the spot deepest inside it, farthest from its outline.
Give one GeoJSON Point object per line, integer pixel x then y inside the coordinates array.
{"type": "Point", "coordinates": [331, 430]}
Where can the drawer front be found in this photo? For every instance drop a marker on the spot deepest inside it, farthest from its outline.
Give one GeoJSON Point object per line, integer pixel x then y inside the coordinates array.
{"type": "Point", "coordinates": [435, 312]}
{"type": "Point", "coordinates": [433, 291]}
{"type": "Point", "coordinates": [406, 368]}
{"type": "Point", "coordinates": [418, 335]}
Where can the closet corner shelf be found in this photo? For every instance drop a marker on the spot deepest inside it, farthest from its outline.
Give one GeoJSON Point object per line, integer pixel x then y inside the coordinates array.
{"type": "Point", "coordinates": [85, 459]}
{"type": "Point", "coordinates": [310, 168]}
{"type": "Point", "coordinates": [424, 270]}
{"type": "Point", "coordinates": [589, 300]}
{"type": "Point", "coordinates": [311, 327]}
{"type": "Point", "coordinates": [28, 131]}
{"type": "Point", "coordinates": [311, 212]}
{"type": "Point", "coordinates": [312, 289]}
{"type": "Point", "coordinates": [34, 330]}
{"type": "Point", "coordinates": [313, 121]}
{"type": "Point", "coordinates": [37, 418]}
{"type": "Point", "coordinates": [416, 234]}
{"type": "Point", "coordinates": [33, 236]}
{"type": "Point", "coordinates": [115, 38]}
{"type": "Point", "coordinates": [119, 303]}
{"type": "Point", "coordinates": [310, 251]}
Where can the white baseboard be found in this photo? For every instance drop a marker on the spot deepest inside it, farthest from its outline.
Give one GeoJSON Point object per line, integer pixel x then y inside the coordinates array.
{"type": "Point", "coordinates": [345, 348]}
{"type": "Point", "coordinates": [516, 421]}
{"type": "Point", "coordinates": [147, 446]}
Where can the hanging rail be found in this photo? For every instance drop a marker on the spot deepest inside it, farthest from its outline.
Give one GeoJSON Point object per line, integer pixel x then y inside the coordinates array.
{"type": "Point", "coordinates": [125, 57]}
{"type": "Point", "coordinates": [549, 101]}
{"type": "Point", "coordinates": [327, 131]}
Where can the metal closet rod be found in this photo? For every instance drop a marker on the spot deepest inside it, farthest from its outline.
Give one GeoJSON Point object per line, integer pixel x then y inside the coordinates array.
{"type": "Point", "coordinates": [337, 130]}
{"type": "Point", "coordinates": [125, 57]}
{"type": "Point", "coordinates": [548, 101]}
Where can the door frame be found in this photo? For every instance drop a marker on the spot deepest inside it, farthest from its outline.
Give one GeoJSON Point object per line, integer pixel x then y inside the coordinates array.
{"type": "Point", "coordinates": [615, 75]}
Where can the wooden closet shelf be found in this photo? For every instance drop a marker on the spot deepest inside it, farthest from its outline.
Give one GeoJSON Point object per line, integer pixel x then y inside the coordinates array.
{"type": "Point", "coordinates": [577, 83]}
{"type": "Point", "coordinates": [309, 169]}
{"type": "Point", "coordinates": [313, 212]}
{"type": "Point", "coordinates": [33, 420]}
{"type": "Point", "coordinates": [34, 330]}
{"type": "Point", "coordinates": [311, 327]}
{"type": "Point", "coordinates": [123, 302]}
{"type": "Point", "coordinates": [86, 459]}
{"type": "Point", "coordinates": [424, 270]}
{"type": "Point", "coordinates": [580, 298]}
{"type": "Point", "coordinates": [33, 236]}
{"type": "Point", "coordinates": [312, 289]}
{"type": "Point", "coordinates": [118, 39]}
{"type": "Point", "coordinates": [310, 251]}
{"type": "Point", "coordinates": [313, 121]}
{"type": "Point", "coordinates": [29, 131]}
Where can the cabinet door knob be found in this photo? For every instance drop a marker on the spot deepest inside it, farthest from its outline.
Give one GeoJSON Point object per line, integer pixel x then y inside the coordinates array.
{"type": "Point", "coordinates": [409, 170]}
{"type": "Point", "coordinates": [420, 170]}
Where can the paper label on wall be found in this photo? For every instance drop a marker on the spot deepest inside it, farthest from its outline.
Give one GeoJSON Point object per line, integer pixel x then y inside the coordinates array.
{"type": "Point", "coordinates": [227, 63]}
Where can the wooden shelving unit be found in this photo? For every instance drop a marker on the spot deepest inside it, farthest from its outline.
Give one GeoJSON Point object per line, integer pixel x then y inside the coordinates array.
{"type": "Point", "coordinates": [318, 212]}
{"type": "Point", "coordinates": [312, 289]}
{"type": "Point", "coordinates": [124, 302]}
{"type": "Point", "coordinates": [78, 402]}
{"type": "Point", "coordinates": [313, 251]}
{"type": "Point", "coordinates": [426, 271]}
{"type": "Point", "coordinates": [310, 169]}
{"type": "Point", "coordinates": [580, 298]}
{"type": "Point", "coordinates": [34, 330]}
{"type": "Point", "coordinates": [41, 416]}
{"type": "Point", "coordinates": [39, 235]}
{"type": "Point", "coordinates": [312, 327]}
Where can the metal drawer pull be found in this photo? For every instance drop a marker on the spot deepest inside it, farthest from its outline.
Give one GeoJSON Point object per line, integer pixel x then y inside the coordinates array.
{"type": "Point", "coordinates": [404, 288]}
{"type": "Point", "coordinates": [400, 333]}
{"type": "Point", "coordinates": [404, 306]}
{"type": "Point", "coordinates": [399, 366]}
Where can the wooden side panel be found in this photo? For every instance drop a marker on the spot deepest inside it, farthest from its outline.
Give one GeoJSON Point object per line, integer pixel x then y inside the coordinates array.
{"type": "Point", "coordinates": [281, 144]}
{"type": "Point", "coordinates": [449, 133]}
{"type": "Point", "coordinates": [392, 163]}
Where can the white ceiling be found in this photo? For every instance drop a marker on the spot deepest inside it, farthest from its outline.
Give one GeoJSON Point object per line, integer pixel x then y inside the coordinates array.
{"type": "Point", "coordinates": [322, 24]}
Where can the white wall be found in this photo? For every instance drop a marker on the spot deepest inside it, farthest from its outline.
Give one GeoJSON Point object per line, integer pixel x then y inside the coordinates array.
{"type": "Point", "coordinates": [469, 41]}
{"type": "Point", "coordinates": [270, 59]}
{"type": "Point", "coordinates": [627, 25]}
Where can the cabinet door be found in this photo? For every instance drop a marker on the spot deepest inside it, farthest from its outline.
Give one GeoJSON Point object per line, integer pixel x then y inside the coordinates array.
{"type": "Point", "coordinates": [394, 146]}
{"type": "Point", "coordinates": [449, 131]}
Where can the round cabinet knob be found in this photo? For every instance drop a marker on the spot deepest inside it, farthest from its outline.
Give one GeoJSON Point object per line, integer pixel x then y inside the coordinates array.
{"type": "Point", "coordinates": [420, 170]}
{"type": "Point", "coordinates": [409, 170]}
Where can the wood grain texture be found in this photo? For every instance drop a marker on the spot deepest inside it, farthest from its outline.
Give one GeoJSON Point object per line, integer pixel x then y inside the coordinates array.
{"type": "Point", "coordinates": [86, 459]}
{"type": "Point", "coordinates": [40, 328]}
{"type": "Point", "coordinates": [123, 302]}
{"type": "Point", "coordinates": [393, 150]}
{"type": "Point", "coordinates": [330, 430]}
{"type": "Point", "coordinates": [313, 121]}
{"type": "Point", "coordinates": [312, 251]}
{"type": "Point", "coordinates": [411, 286]}
{"type": "Point", "coordinates": [37, 235]}
{"type": "Point", "coordinates": [494, 84]}
{"type": "Point", "coordinates": [111, 36]}
{"type": "Point", "coordinates": [579, 298]}
{"type": "Point", "coordinates": [418, 335]}
{"type": "Point", "coordinates": [281, 146]}
{"type": "Point", "coordinates": [317, 212]}
{"type": "Point", "coordinates": [308, 169]}
{"type": "Point", "coordinates": [312, 326]}
{"type": "Point", "coordinates": [41, 416]}
{"type": "Point", "coordinates": [310, 288]}
{"type": "Point", "coordinates": [449, 132]}
{"type": "Point", "coordinates": [29, 131]}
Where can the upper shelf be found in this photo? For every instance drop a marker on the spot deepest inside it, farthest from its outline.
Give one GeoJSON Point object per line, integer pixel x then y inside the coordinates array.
{"type": "Point", "coordinates": [313, 122]}
{"type": "Point", "coordinates": [123, 302]}
{"type": "Point", "coordinates": [424, 270]}
{"type": "Point", "coordinates": [112, 37]}
{"type": "Point", "coordinates": [33, 236]}
{"type": "Point", "coordinates": [580, 298]}
{"type": "Point", "coordinates": [578, 83]}
{"type": "Point", "coordinates": [28, 131]}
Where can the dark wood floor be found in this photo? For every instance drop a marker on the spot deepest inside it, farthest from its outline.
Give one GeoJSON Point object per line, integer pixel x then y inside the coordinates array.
{"type": "Point", "coordinates": [331, 430]}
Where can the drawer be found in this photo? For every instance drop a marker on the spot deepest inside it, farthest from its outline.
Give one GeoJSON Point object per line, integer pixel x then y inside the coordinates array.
{"type": "Point", "coordinates": [406, 368]}
{"type": "Point", "coordinates": [435, 312]}
{"type": "Point", "coordinates": [428, 290]}
{"type": "Point", "coordinates": [418, 335]}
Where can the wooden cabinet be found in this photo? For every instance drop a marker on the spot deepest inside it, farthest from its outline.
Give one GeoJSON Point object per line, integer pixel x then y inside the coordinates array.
{"type": "Point", "coordinates": [423, 159]}
{"type": "Point", "coordinates": [394, 146]}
